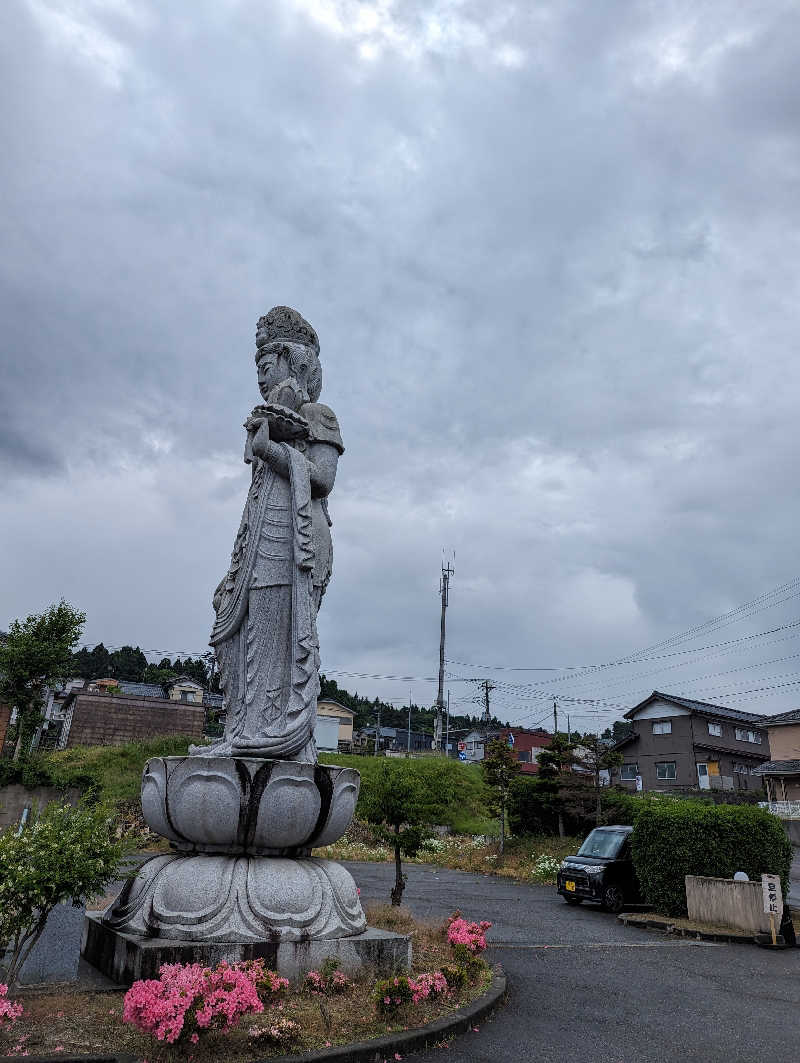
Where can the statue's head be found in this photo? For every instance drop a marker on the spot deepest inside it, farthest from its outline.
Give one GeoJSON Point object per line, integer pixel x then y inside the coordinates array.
{"type": "Point", "coordinates": [287, 346]}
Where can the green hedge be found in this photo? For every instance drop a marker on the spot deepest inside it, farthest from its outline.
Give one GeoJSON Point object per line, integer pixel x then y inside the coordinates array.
{"type": "Point", "coordinates": [672, 839]}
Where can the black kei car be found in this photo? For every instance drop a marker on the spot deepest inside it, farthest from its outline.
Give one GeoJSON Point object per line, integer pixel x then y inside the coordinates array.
{"type": "Point", "coordinates": [602, 870]}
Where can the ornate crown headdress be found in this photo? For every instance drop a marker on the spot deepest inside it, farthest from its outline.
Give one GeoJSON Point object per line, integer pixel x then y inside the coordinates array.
{"type": "Point", "coordinates": [283, 323]}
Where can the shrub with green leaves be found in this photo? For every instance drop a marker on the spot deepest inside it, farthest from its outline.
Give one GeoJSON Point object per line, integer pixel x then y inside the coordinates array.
{"type": "Point", "coordinates": [66, 855]}
{"type": "Point", "coordinates": [672, 839]}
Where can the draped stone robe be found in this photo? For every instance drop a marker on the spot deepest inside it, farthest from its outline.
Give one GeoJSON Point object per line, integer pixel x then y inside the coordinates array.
{"type": "Point", "coordinates": [265, 634]}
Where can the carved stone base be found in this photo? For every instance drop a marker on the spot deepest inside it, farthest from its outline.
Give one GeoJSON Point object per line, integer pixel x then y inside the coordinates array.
{"type": "Point", "coordinates": [125, 958]}
{"type": "Point", "coordinates": [209, 898]}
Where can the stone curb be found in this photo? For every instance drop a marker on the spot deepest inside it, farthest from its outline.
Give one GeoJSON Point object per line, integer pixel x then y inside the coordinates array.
{"type": "Point", "coordinates": [670, 930]}
{"type": "Point", "coordinates": [378, 1049]}
{"type": "Point", "coordinates": [373, 1051]}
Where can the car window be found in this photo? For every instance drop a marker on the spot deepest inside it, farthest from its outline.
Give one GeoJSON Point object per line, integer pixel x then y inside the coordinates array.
{"type": "Point", "coordinates": [603, 843]}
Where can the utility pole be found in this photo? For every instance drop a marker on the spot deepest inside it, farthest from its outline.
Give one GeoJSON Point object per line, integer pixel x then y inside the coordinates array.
{"type": "Point", "coordinates": [444, 591]}
{"type": "Point", "coordinates": [408, 745]}
{"type": "Point", "coordinates": [569, 730]}
{"type": "Point", "coordinates": [488, 687]}
{"type": "Point", "coordinates": [377, 732]}
{"type": "Point", "coordinates": [555, 717]}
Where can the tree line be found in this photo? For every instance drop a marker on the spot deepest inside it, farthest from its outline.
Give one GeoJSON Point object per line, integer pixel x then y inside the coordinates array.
{"type": "Point", "coordinates": [130, 664]}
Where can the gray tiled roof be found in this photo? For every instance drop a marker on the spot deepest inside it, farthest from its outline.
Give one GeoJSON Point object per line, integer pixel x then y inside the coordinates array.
{"type": "Point", "coordinates": [778, 767]}
{"type": "Point", "coordinates": [144, 690]}
{"type": "Point", "coordinates": [705, 708]}
{"type": "Point", "coordinates": [792, 716]}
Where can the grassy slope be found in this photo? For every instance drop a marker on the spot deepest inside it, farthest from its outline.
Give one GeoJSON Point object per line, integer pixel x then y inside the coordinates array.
{"type": "Point", "coordinates": [116, 773]}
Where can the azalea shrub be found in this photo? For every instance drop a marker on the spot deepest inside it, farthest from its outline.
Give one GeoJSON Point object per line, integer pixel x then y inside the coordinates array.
{"type": "Point", "coordinates": [391, 994]}
{"type": "Point", "coordinates": [455, 976]}
{"type": "Point", "coordinates": [271, 987]}
{"type": "Point", "coordinates": [188, 999]}
{"type": "Point", "coordinates": [282, 1033]}
{"type": "Point", "coordinates": [10, 1010]}
{"type": "Point", "coordinates": [328, 980]}
{"type": "Point", "coordinates": [428, 986]}
{"type": "Point", "coordinates": [467, 941]}
{"type": "Point", "coordinates": [471, 935]}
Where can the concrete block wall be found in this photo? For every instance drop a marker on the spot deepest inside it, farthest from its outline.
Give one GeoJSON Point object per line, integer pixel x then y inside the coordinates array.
{"type": "Point", "coordinates": [113, 719]}
{"type": "Point", "coordinates": [723, 902]}
{"type": "Point", "coordinates": [14, 798]}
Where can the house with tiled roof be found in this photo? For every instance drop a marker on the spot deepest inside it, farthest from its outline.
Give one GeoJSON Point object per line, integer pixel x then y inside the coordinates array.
{"type": "Point", "coordinates": [679, 743]}
{"type": "Point", "coordinates": [781, 774]}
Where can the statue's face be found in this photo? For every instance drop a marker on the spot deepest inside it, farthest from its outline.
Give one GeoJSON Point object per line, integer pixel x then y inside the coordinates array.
{"type": "Point", "coordinates": [278, 361]}
{"type": "Point", "coordinates": [273, 367]}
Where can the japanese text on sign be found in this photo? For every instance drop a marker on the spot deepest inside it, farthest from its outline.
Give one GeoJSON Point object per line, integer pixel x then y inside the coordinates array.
{"type": "Point", "coordinates": [773, 899]}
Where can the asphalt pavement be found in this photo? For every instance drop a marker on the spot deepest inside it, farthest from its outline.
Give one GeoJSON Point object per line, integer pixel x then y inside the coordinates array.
{"type": "Point", "coordinates": [582, 986]}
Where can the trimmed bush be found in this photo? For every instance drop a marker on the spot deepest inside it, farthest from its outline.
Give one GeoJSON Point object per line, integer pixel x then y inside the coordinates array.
{"type": "Point", "coordinates": [672, 839]}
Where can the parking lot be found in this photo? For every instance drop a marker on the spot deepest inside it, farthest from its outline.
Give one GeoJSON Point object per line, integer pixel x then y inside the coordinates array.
{"type": "Point", "coordinates": [584, 986]}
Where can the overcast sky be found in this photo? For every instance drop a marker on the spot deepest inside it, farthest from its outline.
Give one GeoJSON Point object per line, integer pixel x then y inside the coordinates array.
{"type": "Point", "coordinates": [551, 251]}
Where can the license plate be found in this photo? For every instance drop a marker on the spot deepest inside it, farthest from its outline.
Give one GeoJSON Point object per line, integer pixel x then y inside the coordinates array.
{"type": "Point", "coordinates": [569, 885]}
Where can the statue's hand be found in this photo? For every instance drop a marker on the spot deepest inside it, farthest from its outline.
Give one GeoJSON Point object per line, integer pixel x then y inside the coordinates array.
{"type": "Point", "coordinates": [261, 441]}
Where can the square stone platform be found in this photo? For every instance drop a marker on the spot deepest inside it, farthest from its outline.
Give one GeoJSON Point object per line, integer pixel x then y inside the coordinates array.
{"type": "Point", "coordinates": [125, 958]}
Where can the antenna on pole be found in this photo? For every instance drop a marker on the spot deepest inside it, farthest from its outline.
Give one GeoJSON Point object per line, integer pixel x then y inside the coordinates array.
{"type": "Point", "coordinates": [444, 591]}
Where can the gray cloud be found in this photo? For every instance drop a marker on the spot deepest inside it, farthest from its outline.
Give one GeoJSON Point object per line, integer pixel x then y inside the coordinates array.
{"type": "Point", "coordinates": [549, 253]}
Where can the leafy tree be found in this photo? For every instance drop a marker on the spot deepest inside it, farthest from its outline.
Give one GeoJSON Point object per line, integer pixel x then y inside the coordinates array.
{"type": "Point", "coordinates": [127, 663]}
{"type": "Point", "coordinates": [619, 729]}
{"type": "Point", "coordinates": [555, 762]}
{"type": "Point", "coordinates": [67, 854]}
{"type": "Point", "coordinates": [37, 654]}
{"type": "Point", "coordinates": [499, 767]}
{"type": "Point", "coordinates": [596, 756]}
{"type": "Point", "coordinates": [403, 804]}
{"type": "Point", "coordinates": [163, 677]}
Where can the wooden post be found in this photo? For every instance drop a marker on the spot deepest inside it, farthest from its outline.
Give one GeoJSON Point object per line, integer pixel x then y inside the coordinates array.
{"type": "Point", "coordinates": [772, 929]}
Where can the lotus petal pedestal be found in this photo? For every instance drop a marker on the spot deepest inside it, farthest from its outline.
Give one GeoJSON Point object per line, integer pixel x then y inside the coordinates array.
{"type": "Point", "coordinates": [240, 880]}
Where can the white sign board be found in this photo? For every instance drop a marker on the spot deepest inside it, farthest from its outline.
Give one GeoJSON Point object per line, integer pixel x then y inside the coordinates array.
{"type": "Point", "coordinates": [773, 899]}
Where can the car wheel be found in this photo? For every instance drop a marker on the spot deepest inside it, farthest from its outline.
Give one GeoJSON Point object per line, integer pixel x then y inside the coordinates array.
{"type": "Point", "coordinates": [573, 902]}
{"type": "Point", "coordinates": [613, 899]}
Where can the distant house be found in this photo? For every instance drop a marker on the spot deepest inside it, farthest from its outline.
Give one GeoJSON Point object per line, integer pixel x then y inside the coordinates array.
{"type": "Point", "coordinates": [781, 774]}
{"type": "Point", "coordinates": [107, 712]}
{"type": "Point", "coordinates": [331, 709]}
{"type": "Point", "coordinates": [679, 743]}
{"type": "Point", "coordinates": [525, 743]}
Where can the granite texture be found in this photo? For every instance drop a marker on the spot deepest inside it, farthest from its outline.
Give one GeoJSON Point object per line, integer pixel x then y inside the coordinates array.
{"type": "Point", "coordinates": [236, 805]}
{"type": "Point", "coordinates": [265, 632]}
{"type": "Point", "coordinates": [56, 954]}
{"type": "Point", "coordinates": [238, 898]}
{"type": "Point", "coordinates": [242, 814]}
{"type": "Point", "coordinates": [125, 957]}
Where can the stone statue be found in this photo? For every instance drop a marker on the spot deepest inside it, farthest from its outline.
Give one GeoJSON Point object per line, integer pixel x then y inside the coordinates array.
{"type": "Point", "coordinates": [243, 815]}
{"type": "Point", "coordinates": [265, 635]}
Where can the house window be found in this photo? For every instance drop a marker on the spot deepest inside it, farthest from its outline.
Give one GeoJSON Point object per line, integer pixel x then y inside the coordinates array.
{"type": "Point", "coordinates": [188, 695]}
{"type": "Point", "coordinates": [715, 729]}
{"type": "Point", "coordinates": [743, 735]}
{"type": "Point", "coordinates": [739, 768]}
{"type": "Point", "coordinates": [662, 727]}
{"type": "Point", "coordinates": [628, 772]}
{"type": "Point", "coordinates": [470, 746]}
{"type": "Point", "coordinates": [524, 756]}
{"type": "Point", "coordinates": [665, 769]}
